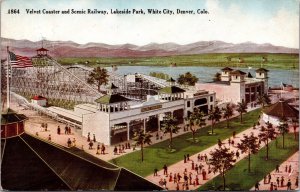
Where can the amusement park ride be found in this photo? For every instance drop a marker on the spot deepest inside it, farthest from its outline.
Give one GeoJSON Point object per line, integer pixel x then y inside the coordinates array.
{"type": "Point", "coordinates": [67, 85]}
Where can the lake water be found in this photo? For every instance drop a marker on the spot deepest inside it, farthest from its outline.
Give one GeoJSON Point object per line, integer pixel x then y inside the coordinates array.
{"type": "Point", "coordinates": [276, 76]}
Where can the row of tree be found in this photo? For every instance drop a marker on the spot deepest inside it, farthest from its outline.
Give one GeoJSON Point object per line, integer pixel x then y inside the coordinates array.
{"type": "Point", "coordinates": [222, 159]}
{"type": "Point", "coordinates": [160, 75]}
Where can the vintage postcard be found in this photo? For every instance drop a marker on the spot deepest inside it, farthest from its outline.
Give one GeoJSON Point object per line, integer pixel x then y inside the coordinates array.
{"type": "Point", "coordinates": [149, 95]}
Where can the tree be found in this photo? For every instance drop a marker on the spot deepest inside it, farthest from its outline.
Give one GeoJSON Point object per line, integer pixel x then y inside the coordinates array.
{"type": "Point", "coordinates": [217, 77]}
{"type": "Point", "coordinates": [99, 76]}
{"type": "Point", "coordinates": [241, 108]}
{"type": "Point", "coordinates": [214, 115]}
{"type": "Point", "coordinates": [187, 79]}
{"type": "Point", "coordinates": [264, 100]}
{"type": "Point", "coordinates": [169, 125]}
{"type": "Point", "coordinates": [222, 160]}
{"type": "Point", "coordinates": [283, 129]}
{"type": "Point", "coordinates": [249, 145]}
{"type": "Point", "coordinates": [228, 112]}
{"type": "Point", "coordinates": [267, 134]}
{"type": "Point", "coordinates": [141, 139]}
{"type": "Point", "coordinates": [295, 124]}
{"type": "Point", "coordinates": [196, 119]}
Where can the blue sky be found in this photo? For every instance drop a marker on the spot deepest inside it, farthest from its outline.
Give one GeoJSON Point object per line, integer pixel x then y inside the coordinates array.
{"type": "Point", "coordinates": [236, 21]}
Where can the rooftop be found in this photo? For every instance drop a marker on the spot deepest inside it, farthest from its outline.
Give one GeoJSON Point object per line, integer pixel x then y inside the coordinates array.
{"type": "Point", "coordinates": [30, 163]}
{"type": "Point", "coordinates": [261, 70]}
{"type": "Point", "coordinates": [282, 110]}
{"type": "Point", "coordinates": [227, 69]}
{"type": "Point", "coordinates": [11, 116]}
{"type": "Point", "coordinates": [171, 90]}
{"type": "Point", "coordinates": [42, 49]}
{"type": "Point", "coordinates": [110, 99]}
{"type": "Point", "coordinates": [237, 72]}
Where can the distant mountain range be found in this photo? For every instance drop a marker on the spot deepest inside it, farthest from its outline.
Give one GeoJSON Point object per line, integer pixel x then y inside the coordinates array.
{"type": "Point", "coordinates": [72, 49]}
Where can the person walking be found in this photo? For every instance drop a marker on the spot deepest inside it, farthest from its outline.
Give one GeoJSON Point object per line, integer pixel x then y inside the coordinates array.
{"type": "Point", "coordinates": [197, 180]}
{"type": "Point", "coordinates": [290, 168]}
{"type": "Point", "coordinates": [98, 149]}
{"type": "Point", "coordinates": [88, 137]}
{"type": "Point", "coordinates": [74, 142]}
{"type": "Point", "coordinates": [66, 130]}
{"type": "Point", "coordinates": [199, 157]}
{"type": "Point", "coordinates": [256, 186]}
{"type": "Point", "coordinates": [91, 145]}
{"type": "Point", "coordinates": [271, 186]}
{"type": "Point", "coordinates": [49, 137]}
{"type": "Point", "coordinates": [69, 142]}
{"type": "Point", "coordinates": [58, 130]}
{"type": "Point", "coordinates": [115, 151]}
{"type": "Point", "coordinates": [237, 154]}
{"type": "Point", "coordinates": [188, 157]}
{"type": "Point", "coordinates": [233, 134]}
{"type": "Point", "coordinates": [269, 177]}
{"type": "Point", "coordinates": [196, 169]}
{"type": "Point", "coordinates": [184, 158]}
{"type": "Point", "coordinates": [277, 181]}
{"type": "Point", "coordinates": [102, 149]}
{"type": "Point", "coordinates": [204, 174]}
{"type": "Point", "coordinates": [94, 138]}
{"type": "Point", "coordinates": [175, 178]}
{"type": "Point", "coordinates": [165, 169]}
{"type": "Point", "coordinates": [296, 182]}
{"type": "Point", "coordinates": [155, 172]}
{"type": "Point", "coordinates": [281, 181]}
{"type": "Point", "coordinates": [178, 177]}
{"type": "Point", "coordinates": [170, 177]}
{"type": "Point", "coordinates": [277, 168]}
{"type": "Point", "coordinates": [289, 185]}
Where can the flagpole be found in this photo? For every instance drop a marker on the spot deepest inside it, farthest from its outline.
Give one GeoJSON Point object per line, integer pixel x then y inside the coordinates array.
{"type": "Point", "coordinates": [7, 81]}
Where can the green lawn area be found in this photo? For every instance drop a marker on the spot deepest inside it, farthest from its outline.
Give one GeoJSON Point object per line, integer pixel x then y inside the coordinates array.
{"type": "Point", "coordinates": [157, 155]}
{"type": "Point", "coordinates": [275, 60]}
{"type": "Point", "coordinates": [238, 178]}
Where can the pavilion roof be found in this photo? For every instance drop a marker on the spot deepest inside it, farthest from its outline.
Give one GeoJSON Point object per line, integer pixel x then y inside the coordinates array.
{"type": "Point", "coordinates": [10, 116]}
{"type": "Point", "coordinates": [282, 110]}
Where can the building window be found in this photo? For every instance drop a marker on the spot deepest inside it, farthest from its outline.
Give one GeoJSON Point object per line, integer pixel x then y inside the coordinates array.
{"type": "Point", "coordinates": [211, 99]}
{"type": "Point", "coordinates": [236, 77]}
{"type": "Point", "coordinates": [259, 74]}
{"type": "Point", "coordinates": [188, 104]}
{"type": "Point", "coordinates": [211, 107]}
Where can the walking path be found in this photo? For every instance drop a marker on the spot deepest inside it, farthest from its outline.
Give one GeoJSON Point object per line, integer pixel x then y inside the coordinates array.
{"type": "Point", "coordinates": [179, 167]}
{"type": "Point", "coordinates": [287, 170]}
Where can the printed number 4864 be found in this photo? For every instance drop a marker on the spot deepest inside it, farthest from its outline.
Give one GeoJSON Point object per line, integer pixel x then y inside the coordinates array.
{"type": "Point", "coordinates": [13, 11]}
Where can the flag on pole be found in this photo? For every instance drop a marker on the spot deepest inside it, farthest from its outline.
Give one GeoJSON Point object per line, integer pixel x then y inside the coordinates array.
{"type": "Point", "coordinates": [18, 61]}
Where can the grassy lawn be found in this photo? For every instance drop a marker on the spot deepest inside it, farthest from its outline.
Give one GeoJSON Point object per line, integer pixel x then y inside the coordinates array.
{"type": "Point", "coordinates": [238, 177]}
{"type": "Point", "coordinates": [275, 60]}
{"type": "Point", "coordinates": [157, 155]}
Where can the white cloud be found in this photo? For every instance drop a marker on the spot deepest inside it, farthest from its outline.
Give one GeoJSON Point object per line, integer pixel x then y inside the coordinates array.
{"type": "Point", "coordinates": [231, 25]}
